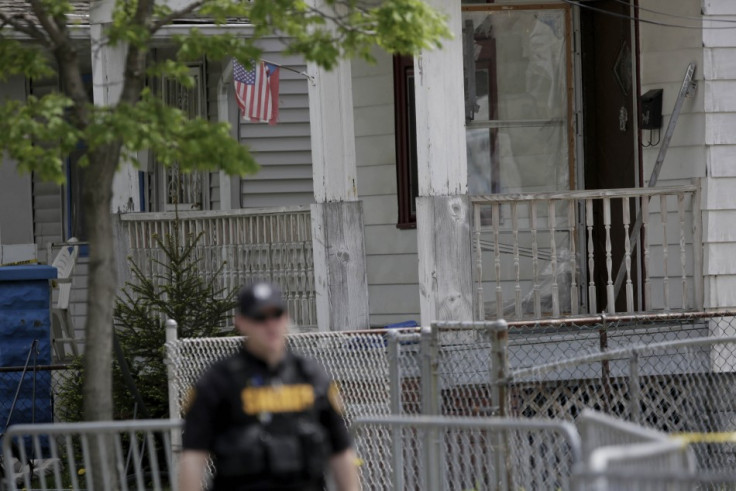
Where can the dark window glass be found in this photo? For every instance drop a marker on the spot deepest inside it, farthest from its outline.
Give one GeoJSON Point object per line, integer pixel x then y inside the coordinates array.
{"type": "Point", "coordinates": [406, 141]}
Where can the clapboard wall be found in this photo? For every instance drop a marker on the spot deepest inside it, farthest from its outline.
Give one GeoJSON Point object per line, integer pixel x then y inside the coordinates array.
{"type": "Point", "coordinates": [391, 253]}
{"type": "Point", "coordinates": [283, 151]}
{"type": "Point", "coordinates": [719, 92]}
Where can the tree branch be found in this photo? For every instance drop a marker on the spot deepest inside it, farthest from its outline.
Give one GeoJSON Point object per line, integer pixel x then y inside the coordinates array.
{"type": "Point", "coordinates": [48, 23]}
{"type": "Point", "coordinates": [163, 21]}
{"type": "Point", "coordinates": [67, 60]}
{"type": "Point", "coordinates": [23, 24]}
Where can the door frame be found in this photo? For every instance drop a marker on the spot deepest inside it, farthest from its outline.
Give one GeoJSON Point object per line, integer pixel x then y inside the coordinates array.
{"type": "Point", "coordinates": [635, 42]}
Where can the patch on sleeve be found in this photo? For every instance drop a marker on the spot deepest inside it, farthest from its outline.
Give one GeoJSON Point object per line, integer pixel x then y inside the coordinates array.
{"type": "Point", "coordinates": [188, 400]}
{"type": "Point", "coordinates": [333, 394]}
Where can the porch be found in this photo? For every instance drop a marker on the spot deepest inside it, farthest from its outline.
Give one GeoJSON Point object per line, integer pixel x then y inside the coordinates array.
{"type": "Point", "coordinates": [542, 255]}
{"type": "Point", "coordinates": [571, 253]}
{"type": "Point", "coordinates": [235, 247]}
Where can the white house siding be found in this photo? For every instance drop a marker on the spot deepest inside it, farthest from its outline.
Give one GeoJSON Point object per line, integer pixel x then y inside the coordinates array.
{"type": "Point", "coordinates": [49, 208]}
{"type": "Point", "coordinates": [719, 89]}
{"type": "Point", "coordinates": [48, 200]}
{"type": "Point", "coordinates": [16, 201]}
{"type": "Point", "coordinates": [391, 254]}
{"type": "Point", "coordinates": [283, 150]}
{"type": "Point", "coordinates": [665, 53]}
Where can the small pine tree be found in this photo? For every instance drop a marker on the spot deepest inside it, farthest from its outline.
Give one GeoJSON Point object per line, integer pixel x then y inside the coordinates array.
{"type": "Point", "coordinates": [180, 292]}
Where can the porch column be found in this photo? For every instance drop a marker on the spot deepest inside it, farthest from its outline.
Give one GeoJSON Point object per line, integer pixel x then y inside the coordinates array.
{"type": "Point", "coordinates": [337, 216]}
{"type": "Point", "coordinates": [108, 64]}
{"type": "Point", "coordinates": [443, 206]}
{"type": "Point", "coordinates": [228, 112]}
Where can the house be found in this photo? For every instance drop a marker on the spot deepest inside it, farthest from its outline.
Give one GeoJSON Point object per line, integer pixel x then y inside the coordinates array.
{"type": "Point", "coordinates": [503, 175]}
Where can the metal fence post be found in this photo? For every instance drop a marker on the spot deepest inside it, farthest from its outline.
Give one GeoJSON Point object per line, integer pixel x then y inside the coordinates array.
{"type": "Point", "coordinates": [634, 387]}
{"type": "Point", "coordinates": [174, 409]}
{"type": "Point", "coordinates": [394, 377]}
{"type": "Point", "coordinates": [430, 399]}
{"type": "Point", "coordinates": [499, 332]}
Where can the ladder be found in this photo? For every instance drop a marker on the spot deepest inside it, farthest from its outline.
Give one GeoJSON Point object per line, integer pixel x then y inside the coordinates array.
{"type": "Point", "coordinates": [688, 87]}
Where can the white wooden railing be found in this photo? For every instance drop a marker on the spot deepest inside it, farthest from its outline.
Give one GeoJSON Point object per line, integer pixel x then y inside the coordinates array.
{"type": "Point", "coordinates": [537, 255]}
{"type": "Point", "coordinates": [274, 244]}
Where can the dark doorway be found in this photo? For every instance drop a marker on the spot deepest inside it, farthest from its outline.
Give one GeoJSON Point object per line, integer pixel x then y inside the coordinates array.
{"type": "Point", "coordinates": [609, 115]}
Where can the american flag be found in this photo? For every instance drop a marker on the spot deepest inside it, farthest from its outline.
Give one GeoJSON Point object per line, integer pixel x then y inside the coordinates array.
{"type": "Point", "coordinates": [257, 91]}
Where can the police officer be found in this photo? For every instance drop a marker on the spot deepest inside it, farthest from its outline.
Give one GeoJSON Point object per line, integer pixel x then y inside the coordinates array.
{"type": "Point", "coordinates": [270, 419]}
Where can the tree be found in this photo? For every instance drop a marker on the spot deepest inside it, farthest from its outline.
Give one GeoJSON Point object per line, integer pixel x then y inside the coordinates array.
{"type": "Point", "coordinates": [176, 291]}
{"type": "Point", "coordinates": [37, 132]}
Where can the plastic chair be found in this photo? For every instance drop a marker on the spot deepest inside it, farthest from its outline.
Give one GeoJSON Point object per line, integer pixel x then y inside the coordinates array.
{"type": "Point", "coordinates": [62, 327]}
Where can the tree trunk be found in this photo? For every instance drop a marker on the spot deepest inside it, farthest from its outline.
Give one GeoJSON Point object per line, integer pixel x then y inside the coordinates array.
{"type": "Point", "coordinates": [102, 281]}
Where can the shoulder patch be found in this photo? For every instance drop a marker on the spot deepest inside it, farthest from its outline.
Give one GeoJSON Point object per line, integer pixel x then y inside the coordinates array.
{"type": "Point", "coordinates": [333, 395]}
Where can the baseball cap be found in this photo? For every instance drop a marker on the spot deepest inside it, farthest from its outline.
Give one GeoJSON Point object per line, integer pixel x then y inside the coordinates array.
{"type": "Point", "coordinates": [254, 298]}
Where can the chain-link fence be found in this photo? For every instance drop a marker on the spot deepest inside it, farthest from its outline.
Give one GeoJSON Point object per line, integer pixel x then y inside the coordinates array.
{"type": "Point", "coordinates": [647, 372]}
{"type": "Point", "coordinates": [672, 372]}
{"type": "Point", "coordinates": [39, 394]}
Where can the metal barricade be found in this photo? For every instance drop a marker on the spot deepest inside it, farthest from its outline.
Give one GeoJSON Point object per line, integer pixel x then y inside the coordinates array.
{"type": "Point", "coordinates": [92, 455]}
{"type": "Point", "coordinates": [462, 453]}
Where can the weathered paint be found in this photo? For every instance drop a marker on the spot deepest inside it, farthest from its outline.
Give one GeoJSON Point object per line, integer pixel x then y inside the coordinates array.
{"type": "Point", "coordinates": [108, 65]}
{"type": "Point", "coordinates": [337, 216]}
{"type": "Point", "coordinates": [443, 214]}
{"type": "Point", "coordinates": [445, 276]}
{"type": "Point", "coordinates": [339, 266]}
{"type": "Point", "coordinates": [440, 112]}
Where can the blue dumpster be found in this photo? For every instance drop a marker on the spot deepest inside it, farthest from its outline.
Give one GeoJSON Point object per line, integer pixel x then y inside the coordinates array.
{"type": "Point", "coordinates": [25, 299]}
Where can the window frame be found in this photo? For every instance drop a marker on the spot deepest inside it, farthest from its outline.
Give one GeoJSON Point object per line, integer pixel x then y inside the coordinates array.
{"type": "Point", "coordinates": [405, 117]}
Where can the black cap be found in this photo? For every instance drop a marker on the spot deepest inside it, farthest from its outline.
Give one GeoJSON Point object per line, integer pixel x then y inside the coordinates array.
{"type": "Point", "coordinates": [256, 297]}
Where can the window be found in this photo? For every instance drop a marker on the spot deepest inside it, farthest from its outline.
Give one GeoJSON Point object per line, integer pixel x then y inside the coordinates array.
{"type": "Point", "coordinates": [74, 212]}
{"type": "Point", "coordinates": [406, 141]}
{"type": "Point", "coordinates": [517, 108]}
{"type": "Point", "coordinates": [183, 190]}
{"type": "Point", "coordinates": [518, 81]}
{"type": "Point", "coordinates": [75, 184]}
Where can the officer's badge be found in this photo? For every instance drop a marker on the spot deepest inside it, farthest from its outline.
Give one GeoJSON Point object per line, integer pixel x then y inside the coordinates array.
{"type": "Point", "coordinates": [333, 394]}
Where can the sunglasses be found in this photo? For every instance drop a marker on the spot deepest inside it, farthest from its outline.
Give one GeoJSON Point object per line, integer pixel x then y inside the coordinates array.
{"type": "Point", "coordinates": [264, 316]}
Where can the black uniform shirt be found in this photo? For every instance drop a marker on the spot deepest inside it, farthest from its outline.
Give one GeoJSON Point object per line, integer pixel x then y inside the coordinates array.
{"type": "Point", "coordinates": [241, 381]}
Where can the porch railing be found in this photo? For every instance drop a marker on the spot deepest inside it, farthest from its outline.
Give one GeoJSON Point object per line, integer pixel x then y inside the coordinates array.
{"type": "Point", "coordinates": [237, 246]}
{"type": "Point", "coordinates": [556, 254]}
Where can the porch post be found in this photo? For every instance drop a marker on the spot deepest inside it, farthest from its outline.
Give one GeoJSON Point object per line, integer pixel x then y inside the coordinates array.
{"type": "Point", "coordinates": [340, 277]}
{"type": "Point", "coordinates": [228, 112]}
{"type": "Point", "coordinates": [108, 64]}
{"type": "Point", "coordinates": [443, 207]}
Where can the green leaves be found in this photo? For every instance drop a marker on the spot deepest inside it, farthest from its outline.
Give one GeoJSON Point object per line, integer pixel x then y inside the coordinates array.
{"type": "Point", "coordinates": [174, 138]}
{"type": "Point", "coordinates": [18, 58]}
{"type": "Point", "coordinates": [37, 133]}
{"type": "Point", "coordinates": [348, 28]}
{"type": "Point", "coordinates": [406, 26]}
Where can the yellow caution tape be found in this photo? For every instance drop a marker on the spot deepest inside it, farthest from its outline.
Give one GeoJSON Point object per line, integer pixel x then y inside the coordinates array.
{"type": "Point", "coordinates": [718, 437]}
{"type": "Point", "coordinates": [20, 263]}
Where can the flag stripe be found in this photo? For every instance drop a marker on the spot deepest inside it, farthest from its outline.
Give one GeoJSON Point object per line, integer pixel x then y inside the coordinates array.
{"type": "Point", "coordinates": [256, 91]}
